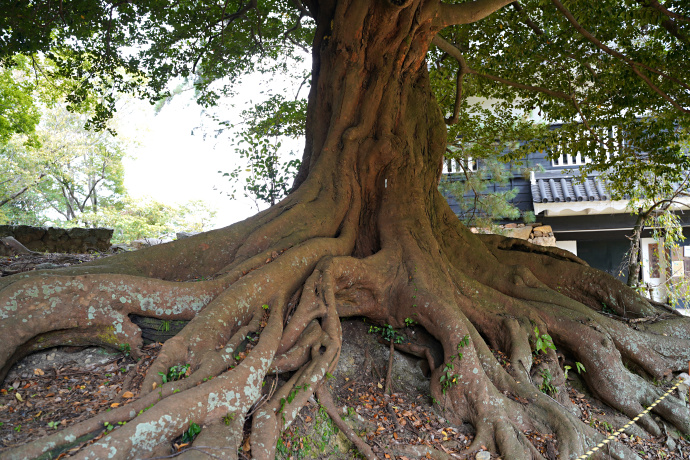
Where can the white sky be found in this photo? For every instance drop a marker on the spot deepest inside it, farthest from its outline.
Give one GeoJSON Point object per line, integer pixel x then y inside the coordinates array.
{"type": "Point", "coordinates": [173, 166]}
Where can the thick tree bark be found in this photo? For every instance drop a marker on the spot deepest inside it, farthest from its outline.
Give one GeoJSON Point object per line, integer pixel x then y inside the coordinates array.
{"type": "Point", "coordinates": [365, 233]}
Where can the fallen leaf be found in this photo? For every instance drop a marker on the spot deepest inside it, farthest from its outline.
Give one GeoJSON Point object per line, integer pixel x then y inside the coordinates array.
{"type": "Point", "coordinates": [246, 447]}
{"type": "Point", "coordinates": [127, 394]}
{"type": "Point", "coordinates": [379, 385]}
{"type": "Point", "coordinates": [19, 397]}
{"type": "Point", "coordinates": [38, 372]}
{"type": "Point", "coordinates": [114, 404]}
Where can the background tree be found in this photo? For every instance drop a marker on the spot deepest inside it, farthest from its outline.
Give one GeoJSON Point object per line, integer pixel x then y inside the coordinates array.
{"type": "Point", "coordinates": [655, 200]}
{"type": "Point", "coordinates": [85, 172]}
{"type": "Point", "coordinates": [488, 143]}
{"type": "Point", "coordinates": [133, 219]}
{"type": "Point", "coordinates": [267, 175]}
{"type": "Point", "coordinates": [18, 111]}
{"type": "Point", "coordinates": [365, 231]}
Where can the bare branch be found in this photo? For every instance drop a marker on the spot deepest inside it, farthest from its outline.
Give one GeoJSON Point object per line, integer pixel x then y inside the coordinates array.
{"type": "Point", "coordinates": [469, 12]}
{"type": "Point", "coordinates": [458, 98]}
{"type": "Point", "coordinates": [451, 50]}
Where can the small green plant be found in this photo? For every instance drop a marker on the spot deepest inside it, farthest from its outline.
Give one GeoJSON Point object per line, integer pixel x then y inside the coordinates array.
{"type": "Point", "coordinates": [606, 309]}
{"type": "Point", "coordinates": [464, 341]}
{"type": "Point", "coordinates": [228, 418]}
{"type": "Point", "coordinates": [145, 409]}
{"type": "Point", "coordinates": [53, 425]}
{"type": "Point", "coordinates": [596, 423]}
{"type": "Point", "coordinates": [125, 348]}
{"type": "Point", "coordinates": [388, 333]}
{"type": "Point", "coordinates": [543, 342]}
{"type": "Point", "coordinates": [175, 373]}
{"type": "Point", "coordinates": [291, 397]}
{"type": "Point", "coordinates": [264, 306]}
{"type": "Point", "coordinates": [409, 322]}
{"type": "Point", "coordinates": [578, 366]}
{"type": "Point", "coordinates": [191, 433]}
{"type": "Point", "coordinates": [18, 428]}
{"type": "Point", "coordinates": [449, 378]}
{"type": "Point", "coordinates": [165, 326]}
{"type": "Point", "coordinates": [108, 427]}
{"type": "Point", "coordinates": [546, 385]}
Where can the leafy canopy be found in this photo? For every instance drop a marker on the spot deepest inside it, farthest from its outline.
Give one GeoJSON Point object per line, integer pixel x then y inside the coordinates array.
{"type": "Point", "coordinates": [596, 66]}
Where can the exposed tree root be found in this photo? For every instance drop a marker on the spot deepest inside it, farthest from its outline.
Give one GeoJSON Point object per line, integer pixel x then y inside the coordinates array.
{"type": "Point", "coordinates": [365, 233]}
{"type": "Point", "coordinates": [326, 401]}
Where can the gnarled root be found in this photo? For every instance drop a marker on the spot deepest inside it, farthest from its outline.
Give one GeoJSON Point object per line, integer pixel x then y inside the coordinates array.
{"type": "Point", "coordinates": [264, 333]}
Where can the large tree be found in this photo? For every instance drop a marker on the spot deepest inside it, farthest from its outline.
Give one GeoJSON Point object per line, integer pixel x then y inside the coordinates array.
{"type": "Point", "coordinates": [365, 231]}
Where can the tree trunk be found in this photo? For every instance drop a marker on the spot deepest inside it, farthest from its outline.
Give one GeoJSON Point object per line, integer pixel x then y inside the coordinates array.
{"type": "Point", "coordinates": [634, 254]}
{"type": "Point", "coordinates": [364, 233]}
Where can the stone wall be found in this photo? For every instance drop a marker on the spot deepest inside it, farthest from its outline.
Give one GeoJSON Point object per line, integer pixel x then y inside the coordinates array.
{"type": "Point", "coordinates": [534, 233]}
{"type": "Point", "coordinates": [51, 239]}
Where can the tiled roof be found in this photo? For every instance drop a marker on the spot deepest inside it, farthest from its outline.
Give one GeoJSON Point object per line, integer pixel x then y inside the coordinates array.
{"type": "Point", "coordinates": [557, 187]}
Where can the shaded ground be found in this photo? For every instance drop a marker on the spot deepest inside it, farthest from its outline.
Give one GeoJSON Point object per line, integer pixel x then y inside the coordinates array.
{"type": "Point", "coordinates": [57, 388]}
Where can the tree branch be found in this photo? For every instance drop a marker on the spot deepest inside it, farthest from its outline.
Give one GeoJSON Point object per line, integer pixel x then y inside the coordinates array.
{"type": "Point", "coordinates": [528, 22]}
{"type": "Point", "coordinates": [467, 13]}
{"type": "Point", "coordinates": [20, 192]}
{"type": "Point", "coordinates": [657, 6]}
{"type": "Point", "coordinates": [453, 51]}
{"type": "Point", "coordinates": [633, 64]}
{"type": "Point", "coordinates": [667, 22]}
{"type": "Point", "coordinates": [302, 9]}
{"type": "Point", "coordinates": [458, 98]}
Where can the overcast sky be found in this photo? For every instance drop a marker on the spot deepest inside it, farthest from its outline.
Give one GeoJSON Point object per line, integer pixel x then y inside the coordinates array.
{"type": "Point", "coordinates": [173, 166]}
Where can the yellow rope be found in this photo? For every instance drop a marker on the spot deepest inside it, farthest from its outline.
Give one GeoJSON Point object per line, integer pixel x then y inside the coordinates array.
{"type": "Point", "coordinates": [614, 435]}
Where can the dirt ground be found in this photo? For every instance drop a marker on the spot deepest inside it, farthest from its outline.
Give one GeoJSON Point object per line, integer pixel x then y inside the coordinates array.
{"type": "Point", "coordinates": [59, 387]}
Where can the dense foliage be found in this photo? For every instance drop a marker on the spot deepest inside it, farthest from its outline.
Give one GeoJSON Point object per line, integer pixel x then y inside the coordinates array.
{"type": "Point", "coordinates": [597, 68]}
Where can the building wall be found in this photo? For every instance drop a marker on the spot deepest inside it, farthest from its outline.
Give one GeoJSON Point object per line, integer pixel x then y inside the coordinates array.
{"type": "Point", "coordinates": [605, 255]}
